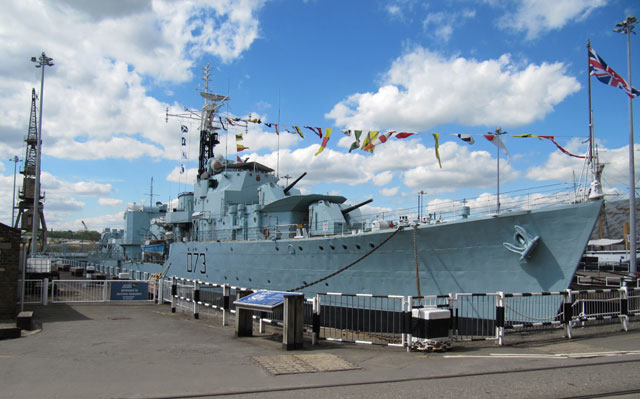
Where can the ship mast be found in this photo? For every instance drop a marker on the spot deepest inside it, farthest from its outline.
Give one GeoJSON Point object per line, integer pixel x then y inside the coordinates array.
{"type": "Point", "coordinates": [208, 125]}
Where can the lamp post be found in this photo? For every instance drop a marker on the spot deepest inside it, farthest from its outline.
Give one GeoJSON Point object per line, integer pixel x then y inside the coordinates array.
{"type": "Point", "coordinates": [15, 161]}
{"type": "Point", "coordinates": [41, 62]}
{"type": "Point", "coordinates": [626, 27]}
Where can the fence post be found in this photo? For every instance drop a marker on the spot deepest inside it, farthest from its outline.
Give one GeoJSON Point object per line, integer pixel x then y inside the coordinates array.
{"type": "Point", "coordinates": [567, 313]}
{"type": "Point", "coordinates": [408, 321]}
{"type": "Point", "coordinates": [315, 335]}
{"type": "Point", "coordinates": [624, 307]}
{"type": "Point", "coordinates": [196, 299]}
{"type": "Point", "coordinates": [500, 318]}
{"type": "Point", "coordinates": [174, 293]}
{"type": "Point", "coordinates": [45, 291]}
{"type": "Point", "coordinates": [404, 332]}
{"type": "Point", "coordinates": [160, 288]}
{"type": "Point", "coordinates": [451, 303]}
{"type": "Point", "coordinates": [104, 291]}
{"type": "Point", "coordinates": [225, 304]}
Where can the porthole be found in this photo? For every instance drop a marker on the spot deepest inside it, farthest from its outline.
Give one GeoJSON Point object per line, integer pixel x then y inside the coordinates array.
{"type": "Point", "coordinates": [225, 277]}
{"type": "Point", "coordinates": [277, 249]}
{"type": "Point", "coordinates": [249, 278]}
{"type": "Point", "coordinates": [371, 245]}
{"type": "Point", "coordinates": [357, 246]}
{"type": "Point", "coordinates": [304, 282]}
{"type": "Point", "coordinates": [344, 246]}
{"type": "Point", "coordinates": [326, 284]}
{"type": "Point", "coordinates": [269, 281]}
{"type": "Point", "coordinates": [231, 249]}
{"type": "Point", "coordinates": [299, 248]}
{"type": "Point", "coordinates": [321, 247]}
{"type": "Point", "coordinates": [332, 247]}
{"type": "Point", "coordinates": [237, 279]}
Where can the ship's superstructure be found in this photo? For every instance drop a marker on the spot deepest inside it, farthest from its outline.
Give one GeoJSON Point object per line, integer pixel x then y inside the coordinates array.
{"type": "Point", "coordinates": [241, 227]}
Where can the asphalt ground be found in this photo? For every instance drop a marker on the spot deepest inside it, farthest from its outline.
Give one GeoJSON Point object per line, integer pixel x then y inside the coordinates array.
{"type": "Point", "coordinates": [145, 351]}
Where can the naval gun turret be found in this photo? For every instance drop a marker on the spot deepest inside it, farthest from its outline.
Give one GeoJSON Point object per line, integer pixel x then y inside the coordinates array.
{"type": "Point", "coordinates": [293, 183]}
{"type": "Point", "coordinates": [356, 206]}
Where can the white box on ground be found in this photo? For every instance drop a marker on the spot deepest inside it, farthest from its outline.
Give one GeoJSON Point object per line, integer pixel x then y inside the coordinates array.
{"type": "Point", "coordinates": [430, 322]}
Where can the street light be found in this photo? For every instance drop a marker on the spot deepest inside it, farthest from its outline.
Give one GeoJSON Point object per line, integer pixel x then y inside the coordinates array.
{"type": "Point", "coordinates": [15, 161]}
{"type": "Point", "coordinates": [41, 62]}
{"type": "Point", "coordinates": [626, 27]}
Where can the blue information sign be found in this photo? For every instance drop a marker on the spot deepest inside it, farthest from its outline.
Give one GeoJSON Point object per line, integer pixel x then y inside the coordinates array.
{"type": "Point", "coordinates": [264, 299]}
{"type": "Point", "coordinates": [129, 291]}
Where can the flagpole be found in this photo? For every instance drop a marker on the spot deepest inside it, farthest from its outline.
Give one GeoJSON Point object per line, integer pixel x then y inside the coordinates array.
{"type": "Point", "coordinates": [498, 133]}
{"type": "Point", "coordinates": [626, 27]}
{"type": "Point", "coordinates": [590, 113]}
{"type": "Point", "coordinates": [498, 179]}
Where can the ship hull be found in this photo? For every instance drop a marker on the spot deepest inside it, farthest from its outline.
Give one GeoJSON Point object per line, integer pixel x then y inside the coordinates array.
{"type": "Point", "coordinates": [467, 255]}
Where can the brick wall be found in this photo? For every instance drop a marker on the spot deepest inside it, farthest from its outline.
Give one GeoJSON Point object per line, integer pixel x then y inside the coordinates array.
{"type": "Point", "coordinates": [9, 264]}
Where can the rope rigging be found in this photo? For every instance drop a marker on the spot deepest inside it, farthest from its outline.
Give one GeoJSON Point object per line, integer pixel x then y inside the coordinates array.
{"type": "Point", "coordinates": [400, 228]}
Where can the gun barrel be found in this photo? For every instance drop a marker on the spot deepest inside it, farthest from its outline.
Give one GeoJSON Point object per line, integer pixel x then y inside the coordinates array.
{"type": "Point", "coordinates": [356, 206]}
{"type": "Point", "coordinates": [293, 183]}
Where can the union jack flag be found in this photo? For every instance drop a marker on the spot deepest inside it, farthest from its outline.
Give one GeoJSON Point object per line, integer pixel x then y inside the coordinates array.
{"type": "Point", "coordinates": [606, 74]}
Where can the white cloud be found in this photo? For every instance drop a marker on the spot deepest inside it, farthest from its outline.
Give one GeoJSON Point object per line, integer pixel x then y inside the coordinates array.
{"type": "Point", "coordinates": [103, 54]}
{"type": "Point", "coordinates": [383, 178]}
{"type": "Point", "coordinates": [423, 89]}
{"type": "Point", "coordinates": [109, 201]}
{"type": "Point", "coordinates": [97, 223]}
{"type": "Point", "coordinates": [390, 192]}
{"type": "Point", "coordinates": [615, 175]}
{"type": "Point", "coordinates": [442, 24]}
{"type": "Point", "coordinates": [539, 16]}
{"type": "Point", "coordinates": [51, 183]}
{"type": "Point", "coordinates": [461, 168]}
{"type": "Point", "coordinates": [188, 177]}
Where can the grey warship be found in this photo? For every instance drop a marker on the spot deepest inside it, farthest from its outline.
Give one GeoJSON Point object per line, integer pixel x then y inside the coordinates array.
{"type": "Point", "coordinates": [241, 227]}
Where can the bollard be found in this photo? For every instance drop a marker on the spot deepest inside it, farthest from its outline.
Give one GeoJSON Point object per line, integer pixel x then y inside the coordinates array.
{"type": "Point", "coordinates": [292, 333]}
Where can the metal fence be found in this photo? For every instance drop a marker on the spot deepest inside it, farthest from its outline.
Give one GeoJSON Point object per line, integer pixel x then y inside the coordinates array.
{"type": "Point", "coordinates": [47, 291]}
{"type": "Point", "coordinates": [370, 319]}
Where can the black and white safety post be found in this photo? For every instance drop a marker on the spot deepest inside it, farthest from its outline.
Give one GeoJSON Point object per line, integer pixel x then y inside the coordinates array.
{"type": "Point", "coordinates": [226, 292]}
{"type": "Point", "coordinates": [174, 294]}
{"type": "Point", "coordinates": [196, 299]}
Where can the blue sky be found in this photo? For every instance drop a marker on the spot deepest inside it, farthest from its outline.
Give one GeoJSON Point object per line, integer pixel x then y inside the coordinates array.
{"type": "Point", "coordinates": [454, 66]}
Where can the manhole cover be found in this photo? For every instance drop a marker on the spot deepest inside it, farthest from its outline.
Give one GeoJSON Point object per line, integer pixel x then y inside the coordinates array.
{"type": "Point", "coordinates": [296, 364]}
